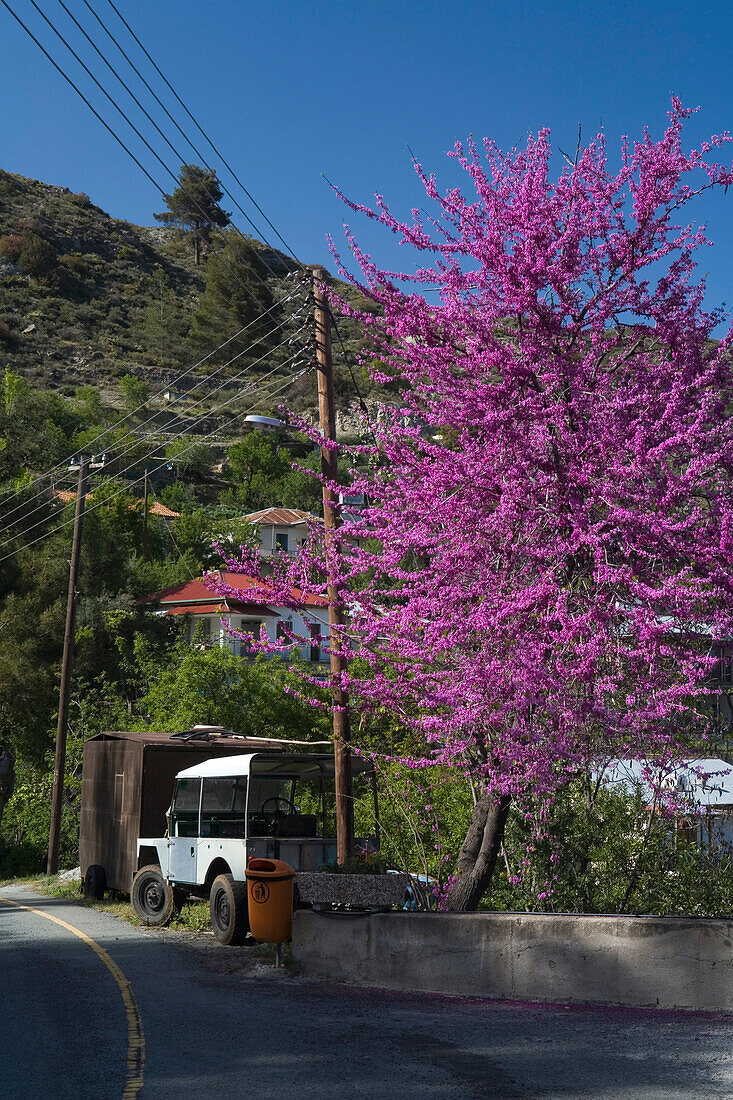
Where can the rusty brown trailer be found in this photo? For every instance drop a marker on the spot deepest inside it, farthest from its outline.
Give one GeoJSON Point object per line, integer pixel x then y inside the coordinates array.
{"type": "Point", "coordinates": [127, 785]}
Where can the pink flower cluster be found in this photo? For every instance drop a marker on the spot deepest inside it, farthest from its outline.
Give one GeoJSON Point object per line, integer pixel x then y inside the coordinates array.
{"type": "Point", "coordinates": [544, 569]}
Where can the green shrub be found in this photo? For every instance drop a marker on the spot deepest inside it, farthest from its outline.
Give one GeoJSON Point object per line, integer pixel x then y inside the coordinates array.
{"type": "Point", "coordinates": [37, 257]}
{"type": "Point", "coordinates": [11, 247]}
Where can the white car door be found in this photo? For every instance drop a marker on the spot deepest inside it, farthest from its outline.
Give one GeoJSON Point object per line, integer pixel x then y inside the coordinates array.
{"type": "Point", "coordinates": [182, 858]}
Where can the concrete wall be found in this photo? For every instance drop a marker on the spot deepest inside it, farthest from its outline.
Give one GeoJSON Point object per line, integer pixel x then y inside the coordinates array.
{"type": "Point", "coordinates": [660, 961]}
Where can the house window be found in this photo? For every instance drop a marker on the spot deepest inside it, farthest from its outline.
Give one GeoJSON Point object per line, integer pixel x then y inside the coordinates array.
{"type": "Point", "coordinates": [284, 631]}
{"type": "Point", "coordinates": [253, 627]}
{"type": "Point", "coordinates": [281, 542]}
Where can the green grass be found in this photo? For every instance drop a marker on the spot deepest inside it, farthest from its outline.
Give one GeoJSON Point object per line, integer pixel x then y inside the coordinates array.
{"type": "Point", "coordinates": [193, 917]}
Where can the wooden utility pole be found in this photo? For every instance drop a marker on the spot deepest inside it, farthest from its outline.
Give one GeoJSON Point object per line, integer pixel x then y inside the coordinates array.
{"type": "Point", "coordinates": [66, 663]}
{"type": "Point", "coordinates": [336, 618]}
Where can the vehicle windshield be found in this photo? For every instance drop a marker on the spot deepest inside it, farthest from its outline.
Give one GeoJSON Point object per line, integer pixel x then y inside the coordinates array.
{"type": "Point", "coordinates": [185, 809]}
{"type": "Point", "coordinates": [285, 804]}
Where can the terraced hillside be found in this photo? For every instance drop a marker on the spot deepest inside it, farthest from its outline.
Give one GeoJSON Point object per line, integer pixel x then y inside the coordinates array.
{"type": "Point", "coordinates": [86, 299]}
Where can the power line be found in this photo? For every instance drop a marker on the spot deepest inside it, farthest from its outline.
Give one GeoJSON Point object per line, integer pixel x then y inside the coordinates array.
{"type": "Point", "coordinates": [150, 119]}
{"type": "Point", "coordinates": [160, 103]}
{"type": "Point", "coordinates": [60, 466]}
{"type": "Point", "coordinates": [81, 95]}
{"type": "Point", "coordinates": [120, 111]}
{"type": "Point", "coordinates": [122, 19]}
{"type": "Point", "coordinates": [132, 125]}
{"type": "Point", "coordinates": [160, 466]}
{"type": "Point", "coordinates": [110, 129]}
{"type": "Point", "coordinates": [134, 98]}
{"type": "Point", "coordinates": [134, 128]}
{"type": "Point", "coordinates": [125, 147]}
{"type": "Point", "coordinates": [24, 504]}
{"type": "Point", "coordinates": [173, 438]}
{"type": "Point", "coordinates": [124, 488]}
{"type": "Point", "coordinates": [362, 403]}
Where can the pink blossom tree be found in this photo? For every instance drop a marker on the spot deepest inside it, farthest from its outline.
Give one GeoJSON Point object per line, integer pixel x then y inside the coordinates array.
{"type": "Point", "coordinates": [543, 572]}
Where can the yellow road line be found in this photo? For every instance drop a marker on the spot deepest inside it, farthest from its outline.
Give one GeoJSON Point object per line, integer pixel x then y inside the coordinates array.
{"type": "Point", "coordinates": [135, 1036]}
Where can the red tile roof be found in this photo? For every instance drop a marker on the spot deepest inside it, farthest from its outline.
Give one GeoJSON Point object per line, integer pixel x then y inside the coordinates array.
{"type": "Point", "coordinates": [254, 589]}
{"type": "Point", "coordinates": [155, 509]}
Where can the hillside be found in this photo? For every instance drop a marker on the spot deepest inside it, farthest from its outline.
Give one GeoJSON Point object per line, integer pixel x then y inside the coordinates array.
{"type": "Point", "coordinates": [112, 299]}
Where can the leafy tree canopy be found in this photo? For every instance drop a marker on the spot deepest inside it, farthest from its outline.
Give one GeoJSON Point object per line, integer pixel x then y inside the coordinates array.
{"type": "Point", "coordinates": [554, 502]}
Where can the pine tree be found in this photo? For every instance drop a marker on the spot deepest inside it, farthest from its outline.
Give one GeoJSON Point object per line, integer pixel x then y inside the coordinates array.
{"type": "Point", "coordinates": [236, 296]}
{"type": "Point", "coordinates": [194, 205]}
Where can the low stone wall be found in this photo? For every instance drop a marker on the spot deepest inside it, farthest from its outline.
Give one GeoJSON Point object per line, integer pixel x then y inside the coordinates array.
{"type": "Point", "coordinates": [668, 962]}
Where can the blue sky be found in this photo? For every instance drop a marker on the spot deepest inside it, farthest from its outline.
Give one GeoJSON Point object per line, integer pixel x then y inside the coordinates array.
{"type": "Point", "coordinates": [291, 90]}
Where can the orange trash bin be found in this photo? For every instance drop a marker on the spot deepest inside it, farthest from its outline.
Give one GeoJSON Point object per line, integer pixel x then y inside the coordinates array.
{"type": "Point", "coordinates": [270, 899]}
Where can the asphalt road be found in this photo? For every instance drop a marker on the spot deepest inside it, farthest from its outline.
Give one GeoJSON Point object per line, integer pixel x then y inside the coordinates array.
{"type": "Point", "coordinates": [217, 1022]}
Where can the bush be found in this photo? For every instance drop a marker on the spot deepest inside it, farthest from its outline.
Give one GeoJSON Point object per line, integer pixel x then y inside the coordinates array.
{"type": "Point", "coordinates": [37, 256]}
{"type": "Point", "coordinates": [189, 459]}
{"type": "Point", "coordinates": [10, 247]}
{"type": "Point", "coordinates": [27, 820]}
{"type": "Point", "coordinates": [18, 860]}
{"type": "Point", "coordinates": [134, 392]}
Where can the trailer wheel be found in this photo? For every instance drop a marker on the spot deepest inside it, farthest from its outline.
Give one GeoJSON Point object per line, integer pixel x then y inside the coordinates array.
{"type": "Point", "coordinates": [95, 881]}
{"type": "Point", "coordinates": [152, 897]}
{"type": "Point", "coordinates": [228, 908]}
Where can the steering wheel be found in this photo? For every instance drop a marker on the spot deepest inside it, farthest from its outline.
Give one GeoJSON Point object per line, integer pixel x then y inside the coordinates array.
{"type": "Point", "coordinates": [276, 798]}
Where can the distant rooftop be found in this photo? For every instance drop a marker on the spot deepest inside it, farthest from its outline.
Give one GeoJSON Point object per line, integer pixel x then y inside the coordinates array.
{"type": "Point", "coordinates": [281, 517]}
{"type": "Point", "coordinates": [155, 509]}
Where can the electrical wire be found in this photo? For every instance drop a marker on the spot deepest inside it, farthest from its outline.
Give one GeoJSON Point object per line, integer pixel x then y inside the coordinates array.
{"type": "Point", "coordinates": [137, 132]}
{"type": "Point", "coordinates": [132, 155]}
{"type": "Point", "coordinates": [178, 435]}
{"type": "Point", "coordinates": [61, 466]}
{"type": "Point", "coordinates": [208, 140]}
{"type": "Point", "coordinates": [136, 429]}
{"type": "Point", "coordinates": [227, 381]}
{"type": "Point", "coordinates": [101, 119]}
{"type": "Point", "coordinates": [125, 117]}
{"type": "Point", "coordinates": [160, 103]}
{"type": "Point", "coordinates": [81, 95]}
{"type": "Point", "coordinates": [362, 403]}
{"type": "Point", "coordinates": [125, 488]}
{"type": "Point", "coordinates": [153, 123]}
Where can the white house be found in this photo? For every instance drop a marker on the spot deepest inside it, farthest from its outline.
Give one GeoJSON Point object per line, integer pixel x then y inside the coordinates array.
{"type": "Point", "coordinates": [281, 530]}
{"type": "Point", "coordinates": [209, 615]}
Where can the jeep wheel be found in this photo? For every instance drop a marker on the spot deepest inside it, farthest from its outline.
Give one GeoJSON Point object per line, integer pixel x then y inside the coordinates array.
{"type": "Point", "coordinates": [152, 897]}
{"type": "Point", "coordinates": [228, 908]}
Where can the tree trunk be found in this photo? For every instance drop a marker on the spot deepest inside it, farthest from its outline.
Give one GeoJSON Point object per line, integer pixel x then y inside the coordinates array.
{"type": "Point", "coordinates": [196, 249]}
{"type": "Point", "coordinates": [479, 853]}
{"type": "Point", "coordinates": [7, 778]}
